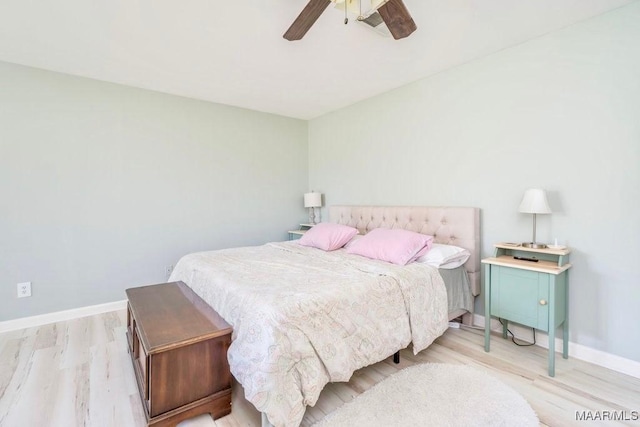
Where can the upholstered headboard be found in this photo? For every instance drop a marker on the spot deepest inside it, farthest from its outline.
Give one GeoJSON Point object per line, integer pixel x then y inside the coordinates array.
{"type": "Point", "coordinates": [449, 225]}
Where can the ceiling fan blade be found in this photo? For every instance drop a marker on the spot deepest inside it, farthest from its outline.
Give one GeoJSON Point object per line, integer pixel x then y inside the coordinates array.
{"type": "Point", "coordinates": [306, 19]}
{"type": "Point", "coordinates": [398, 20]}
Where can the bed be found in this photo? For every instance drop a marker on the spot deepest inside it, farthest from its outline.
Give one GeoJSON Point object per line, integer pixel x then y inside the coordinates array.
{"type": "Point", "coordinates": [303, 317]}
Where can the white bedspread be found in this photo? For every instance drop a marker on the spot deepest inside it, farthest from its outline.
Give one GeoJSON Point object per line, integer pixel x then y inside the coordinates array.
{"type": "Point", "coordinates": [303, 317]}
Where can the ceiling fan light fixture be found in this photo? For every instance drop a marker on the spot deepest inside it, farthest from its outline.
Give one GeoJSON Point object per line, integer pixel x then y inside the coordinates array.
{"type": "Point", "coordinates": [362, 9]}
{"type": "Point", "coordinates": [393, 13]}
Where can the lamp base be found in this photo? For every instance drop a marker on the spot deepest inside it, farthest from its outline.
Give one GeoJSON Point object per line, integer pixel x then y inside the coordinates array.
{"type": "Point", "coordinates": [312, 216]}
{"type": "Point", "coordinates": [533, 245]}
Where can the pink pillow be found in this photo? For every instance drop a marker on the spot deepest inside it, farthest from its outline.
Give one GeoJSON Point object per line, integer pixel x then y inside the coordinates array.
{"type": "Point", "coordinates": [327, 236]}
{"type": "Point", "coordinates": [396, 246]}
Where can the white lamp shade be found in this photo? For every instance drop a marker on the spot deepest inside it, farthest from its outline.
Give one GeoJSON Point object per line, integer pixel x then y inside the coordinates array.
{"type": "Point", "coordinates": [312, 200]}
{"type": "Point", "coordinates": [534, 202]}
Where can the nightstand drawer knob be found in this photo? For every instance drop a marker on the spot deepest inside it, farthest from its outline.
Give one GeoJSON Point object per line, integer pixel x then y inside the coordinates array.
{"type": "Point", "coordinates": [543, 302]}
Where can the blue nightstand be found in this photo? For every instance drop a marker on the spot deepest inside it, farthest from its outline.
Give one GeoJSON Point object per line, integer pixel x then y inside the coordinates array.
{"type": "Point", "coordinates": [533, 294]}
{"type": "Point", "coordinates": [296, 234]}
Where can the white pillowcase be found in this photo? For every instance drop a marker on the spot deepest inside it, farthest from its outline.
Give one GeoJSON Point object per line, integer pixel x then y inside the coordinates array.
{"type": "Point", "coordinates": [445, 256]}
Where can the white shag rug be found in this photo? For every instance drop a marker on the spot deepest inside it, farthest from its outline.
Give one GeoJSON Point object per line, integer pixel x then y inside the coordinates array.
{"type": "Point", "coordinates": [435, 394]}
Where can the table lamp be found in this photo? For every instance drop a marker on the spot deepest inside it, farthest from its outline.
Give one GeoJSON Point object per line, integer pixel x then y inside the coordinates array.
{"type": "Point", "coordinates": [312, 201]}
{"type": "Point", "coordinates": [534, 202]}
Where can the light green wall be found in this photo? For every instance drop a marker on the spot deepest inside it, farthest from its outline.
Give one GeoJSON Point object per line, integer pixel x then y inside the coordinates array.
{"type": "Point", "coordinates": [102, 186]}
{"type": "Point", "coordinates": [561, 112]}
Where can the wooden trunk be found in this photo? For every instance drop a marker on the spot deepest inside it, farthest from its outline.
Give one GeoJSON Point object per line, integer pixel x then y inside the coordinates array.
{"type": "Point", "coordinates": [178, 346]}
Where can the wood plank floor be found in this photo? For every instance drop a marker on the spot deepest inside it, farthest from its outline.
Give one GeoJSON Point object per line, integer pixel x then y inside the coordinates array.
{"type": "Point", "coordinates": [78, 373]}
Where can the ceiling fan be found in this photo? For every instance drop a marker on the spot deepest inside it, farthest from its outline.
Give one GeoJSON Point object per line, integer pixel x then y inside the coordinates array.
{"type": "Point", "coordinates": [392, 12]}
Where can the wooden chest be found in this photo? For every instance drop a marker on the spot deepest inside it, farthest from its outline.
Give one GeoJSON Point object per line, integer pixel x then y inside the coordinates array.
{"type": "Point", "coordinates": [178, 346]}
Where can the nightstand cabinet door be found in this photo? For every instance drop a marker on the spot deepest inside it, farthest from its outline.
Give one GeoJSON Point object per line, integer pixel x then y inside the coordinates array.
{"type": "Point", "coordinates": [520, 296]}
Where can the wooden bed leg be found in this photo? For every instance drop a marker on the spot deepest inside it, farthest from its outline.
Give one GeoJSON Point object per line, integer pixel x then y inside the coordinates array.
{"type": "Point", "coordinates": [467, 319]}
{"type": "Point", "coordinates": [396, 357]}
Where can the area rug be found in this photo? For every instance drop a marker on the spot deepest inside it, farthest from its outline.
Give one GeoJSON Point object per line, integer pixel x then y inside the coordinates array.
{"type": "Point", "coordinates": [435, 394]}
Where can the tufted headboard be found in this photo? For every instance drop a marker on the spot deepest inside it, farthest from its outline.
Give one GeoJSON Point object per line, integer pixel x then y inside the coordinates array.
{"type": "Point", "coordinates": [449, 225]}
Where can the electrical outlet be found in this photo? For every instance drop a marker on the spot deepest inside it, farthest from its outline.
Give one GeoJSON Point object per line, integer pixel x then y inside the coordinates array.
{"type": "Point", "coordinates": [24, 289]}
{"type": "Point", "coordinates": [168, 270]}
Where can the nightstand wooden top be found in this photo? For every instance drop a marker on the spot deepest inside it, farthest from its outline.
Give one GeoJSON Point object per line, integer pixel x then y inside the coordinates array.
{"type": "Point", "coordinates": [542, 266]}
{"type": "Point", "coordinates": [519, 247]}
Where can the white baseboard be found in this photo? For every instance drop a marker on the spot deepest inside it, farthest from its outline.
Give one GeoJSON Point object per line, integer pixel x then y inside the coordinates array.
{"type": "Point", "coordinates": [579, 351]}
{"type": "Point", "coordinates": [60, 316]}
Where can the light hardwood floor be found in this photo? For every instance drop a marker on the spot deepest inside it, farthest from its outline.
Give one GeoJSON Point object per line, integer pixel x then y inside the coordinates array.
{"type": "Point", "coordinates": [78, 373]}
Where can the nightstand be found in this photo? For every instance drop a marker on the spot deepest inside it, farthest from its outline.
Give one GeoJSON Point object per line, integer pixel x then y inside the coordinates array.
{"type": "Point", "coordinates": [533, 294]}
{"type": "Point", "coordinates": [296, 234]}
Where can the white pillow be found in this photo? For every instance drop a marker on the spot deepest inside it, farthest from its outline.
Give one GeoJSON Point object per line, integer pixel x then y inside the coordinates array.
{"type": "Point", "coordinates": [445, 256]}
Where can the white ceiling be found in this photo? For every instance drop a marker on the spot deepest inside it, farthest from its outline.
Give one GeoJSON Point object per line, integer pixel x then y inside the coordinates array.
{"type": "Point", "coordinates": [232, 52]}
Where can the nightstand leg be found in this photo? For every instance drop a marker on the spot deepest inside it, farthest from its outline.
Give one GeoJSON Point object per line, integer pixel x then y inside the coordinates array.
{"type": "Point", "coordinates": [565, 325]}
{"type": "Point", "coordinates": [487, 307]}
{"type": "Point", "coordinates": [565, 340]}
{"type": "Point", "coordinates": [505, 327]}
{"type": "Point", "coordinates": [552, 352]}
{"type": "Point", "coordinates": [552, 326]}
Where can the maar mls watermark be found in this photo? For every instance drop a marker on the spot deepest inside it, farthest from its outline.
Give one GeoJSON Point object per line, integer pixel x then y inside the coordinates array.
{"type": "Point", "coordinates": [607, 415]}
